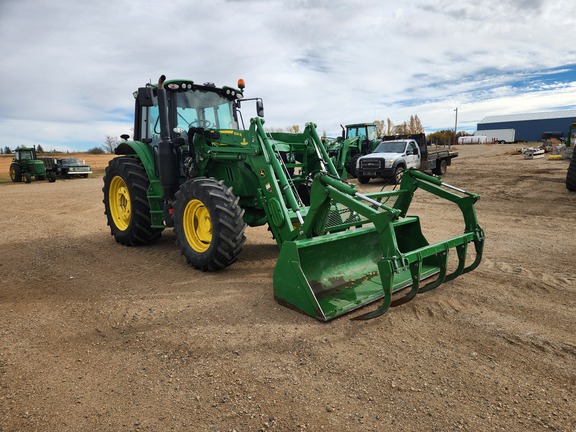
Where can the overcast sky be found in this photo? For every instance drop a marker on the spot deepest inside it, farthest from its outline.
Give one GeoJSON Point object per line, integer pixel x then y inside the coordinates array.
{"type": "Point", "coordinates": [69, 68]}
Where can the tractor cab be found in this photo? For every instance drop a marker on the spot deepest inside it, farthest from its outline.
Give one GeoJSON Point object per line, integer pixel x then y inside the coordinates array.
{"type": "Point", "coordinates": [24, 153]}
{"type": "Point", "coordinates": [191, 108]}
{"type": "Point", "coordinates": [366, 132]}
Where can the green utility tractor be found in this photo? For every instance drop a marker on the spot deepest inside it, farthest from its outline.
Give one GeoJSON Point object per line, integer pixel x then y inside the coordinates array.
{"type": "Point", "coordinates": [571, 174]}
{"type": "Point", "coordinates": [193, 166]}
{"type": "Point", "coordinates": [356, 140]}
{"type": "Point", "coordinates": [27, 164]}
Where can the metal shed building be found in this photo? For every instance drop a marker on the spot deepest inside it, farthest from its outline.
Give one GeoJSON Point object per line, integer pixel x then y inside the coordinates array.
{"type": "Point", "coordinates": [531, 126]}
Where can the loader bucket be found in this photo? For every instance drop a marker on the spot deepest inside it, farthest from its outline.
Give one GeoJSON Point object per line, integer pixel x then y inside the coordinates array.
{"type": "Point", "coordinates": [335, 274]}
{"type": "Point", "coordinates": [329, 275]}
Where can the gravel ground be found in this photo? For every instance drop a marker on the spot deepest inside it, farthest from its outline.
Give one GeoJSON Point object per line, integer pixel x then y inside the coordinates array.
{"type": "Point", "coordinates": [100, 337]}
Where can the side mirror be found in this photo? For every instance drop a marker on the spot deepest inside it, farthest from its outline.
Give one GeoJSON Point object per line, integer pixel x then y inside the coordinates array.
{"type": "Point", "coordinates": [260, 108]}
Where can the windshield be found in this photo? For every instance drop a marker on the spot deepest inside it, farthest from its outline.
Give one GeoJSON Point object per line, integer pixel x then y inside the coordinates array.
{"type": "Point", "coordinates": [70, 161]}
{"type": "Point", "coordinates": [25, 154]}
{"type": "Point", "coordinates": [204, 109]}
{"type": "Point", "coordinates": [364, 132]}
{"type": "Point", "coordinates": [390, 147]}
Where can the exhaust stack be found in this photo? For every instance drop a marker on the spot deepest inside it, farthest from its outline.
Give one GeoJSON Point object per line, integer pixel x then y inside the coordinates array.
{"type": "Point", "coordinates": [167, 161]}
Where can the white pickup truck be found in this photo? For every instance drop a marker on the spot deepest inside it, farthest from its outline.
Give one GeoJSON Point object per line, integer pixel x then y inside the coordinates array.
{"type": "Point", "coordinates": [395, 154]}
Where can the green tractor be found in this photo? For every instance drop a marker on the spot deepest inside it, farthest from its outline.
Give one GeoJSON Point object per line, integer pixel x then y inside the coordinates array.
{"type": "Point", "coordinates": [27, 164]}
{"type": "Point", "coordinates": [194, 166]}
{"type": "Point", "coordinates": [357, 140]}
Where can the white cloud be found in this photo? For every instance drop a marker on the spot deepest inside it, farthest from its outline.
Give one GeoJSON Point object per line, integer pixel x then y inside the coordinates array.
{"type": "Point", "coordinates": [69, 68]}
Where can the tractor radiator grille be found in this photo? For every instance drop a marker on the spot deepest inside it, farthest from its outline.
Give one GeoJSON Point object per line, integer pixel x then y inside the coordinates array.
{"type": "Point", "coordinates": [341, 217]}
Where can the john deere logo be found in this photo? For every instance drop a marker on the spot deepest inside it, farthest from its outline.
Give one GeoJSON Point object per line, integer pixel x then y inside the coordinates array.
{"type": "Point", "coordinates": [244, 142]}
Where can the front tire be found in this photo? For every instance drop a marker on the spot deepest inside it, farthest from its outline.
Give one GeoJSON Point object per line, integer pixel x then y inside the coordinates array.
{"type": "Point", "coordinates": [363, 179]}
{"type": "Point", "coordinates": [352, 166]}
{"type": "Point", "coordinates": [126, 203]}
{"type": "Point", "coordinates": [208, 224]}
{"type": "Point", "coordinates": [398, 173]}
{"type": "Point", "coordinates": [16, 173]}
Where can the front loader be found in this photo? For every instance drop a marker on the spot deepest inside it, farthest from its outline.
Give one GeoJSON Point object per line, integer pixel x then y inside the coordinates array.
{"type": "Point", "coordinates": [193, 166]}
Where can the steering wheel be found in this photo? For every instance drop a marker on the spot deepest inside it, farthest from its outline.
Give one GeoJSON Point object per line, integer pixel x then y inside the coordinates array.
{"type": "Point", "coordinates": [201, 123]}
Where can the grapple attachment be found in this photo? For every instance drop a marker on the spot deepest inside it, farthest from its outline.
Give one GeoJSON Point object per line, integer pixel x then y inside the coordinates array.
{"type": "Point", "coordinates": [354, 249]}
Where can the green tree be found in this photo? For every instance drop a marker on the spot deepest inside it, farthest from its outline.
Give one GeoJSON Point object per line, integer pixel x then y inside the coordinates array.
{"type": "Point", "coordinates": [95, 150]}
{"type": "Point", "coordinates": [39, 149]}
{"type": "Point", "coordinates": [7, 150]}
{"type": "Point", "coordinates": [441, 137]}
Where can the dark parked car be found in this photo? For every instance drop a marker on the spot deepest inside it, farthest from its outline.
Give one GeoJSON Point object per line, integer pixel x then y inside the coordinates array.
{"type": "Point", "coordinates": [68, 167]}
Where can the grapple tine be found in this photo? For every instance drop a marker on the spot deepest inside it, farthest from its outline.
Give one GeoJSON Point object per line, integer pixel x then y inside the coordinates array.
{"type": "Point", "coordinates": [443, 258]}
{"type": "Point", "coordinates": [479, 247]}
{"type": "Point", "coordinates": [376, 313]}
{"type": "Point", "coordinates": [461, 252]}
{"type": "Point", "coordinates": [386, 269]}
{"type": "Point", "coordinates": [415, 272]}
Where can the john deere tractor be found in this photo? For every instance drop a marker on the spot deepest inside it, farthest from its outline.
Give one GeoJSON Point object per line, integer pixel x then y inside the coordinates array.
{"type": "Point", "coordinates": [26, 164]}
{"type": "Point", "coordinates": [194, 167]}
{"type": "Point", "coordinates": [357, 140]}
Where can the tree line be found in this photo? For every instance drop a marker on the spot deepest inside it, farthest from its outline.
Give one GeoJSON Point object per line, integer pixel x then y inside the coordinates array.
{"type": "Point", "coordinates": [388, 127]}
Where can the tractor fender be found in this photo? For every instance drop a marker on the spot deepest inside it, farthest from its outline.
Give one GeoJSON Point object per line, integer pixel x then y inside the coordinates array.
{"type": "Point", "coordinates": [141, 151]}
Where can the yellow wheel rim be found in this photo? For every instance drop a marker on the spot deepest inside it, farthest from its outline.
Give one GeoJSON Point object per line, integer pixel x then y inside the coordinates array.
{"type": "Point", "coordinates": [120, 205]}
{"type": "Point", "coordinates": [197, 225]}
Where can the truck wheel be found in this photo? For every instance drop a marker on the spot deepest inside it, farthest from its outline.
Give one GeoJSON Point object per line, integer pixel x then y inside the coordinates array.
{"type": "Point", "coordinates": [51, 177]}
{"type": "Point", "coordinates": [126, 204]}
{"type": "Point", "coordinates": [398, 173]}
{"type": "Point", "coordinates": [27, 178]}
{"type": "Point", "coordinates": [571, 175]}
{"type": "Point", "coordinates": [16, 173]}
{"type": "Point", "coordinates": [363, 179]}
{"type": "Point", "coordinates": [441, 167]}
{"type": "Point", "coordinates": [208, 224]}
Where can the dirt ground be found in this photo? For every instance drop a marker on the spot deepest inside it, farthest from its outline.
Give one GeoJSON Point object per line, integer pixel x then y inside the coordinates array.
{"type": "Point", "coordinates": [96, 336]}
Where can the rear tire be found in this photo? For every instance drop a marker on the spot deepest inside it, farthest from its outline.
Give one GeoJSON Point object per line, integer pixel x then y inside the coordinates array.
{"type": "Point", "coordinates": [16, 173]}
{"type": "Point", "coordinates": [571, 174]}
{"type": "Point", "coordinates": [441, 168]}
{"type": "Point", "coordinates": [126, 203]}
{"type": "Point", "coordinates": [208, 224]}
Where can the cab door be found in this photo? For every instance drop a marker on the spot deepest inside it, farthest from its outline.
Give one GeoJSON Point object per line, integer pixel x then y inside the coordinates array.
{"type": "Point", "coordinates": [412, 155]}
